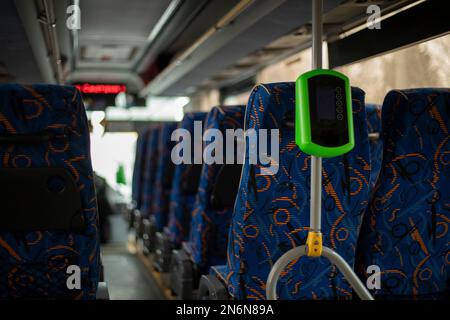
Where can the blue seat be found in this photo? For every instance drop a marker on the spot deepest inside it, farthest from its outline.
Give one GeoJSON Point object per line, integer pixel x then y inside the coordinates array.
{"type": "Point", "coordinates": [139, 219]}
{"type": "Point", "coordinates": [373, 112]}
{"type": "Point", "coordinates": [163, 176]}
{"type": "Point", "coordinates": [210, 216]}
{"type": "Point", "coordinates": [405, 232]}
{"type": "Point", "coordinates": [184, 189]}
{"type": "Point", "coordinates": [182, 197]}
{"type": "Point", "coordinates": [48, 220]}
{"type": "Point", "coordinates": [271, 215]}
{"type": "Point", "coordinates": [137, 186]}
{"type": "Point", "coordinates": [210, 224]}
{"type": "Point", "coordinates": [138, 170]}
{"type": "Point", "coordinates": [149, 170]}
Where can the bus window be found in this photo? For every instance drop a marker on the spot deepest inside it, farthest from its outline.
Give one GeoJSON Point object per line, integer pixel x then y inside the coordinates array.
{"type": "Point", "coordinates": [403, 69]}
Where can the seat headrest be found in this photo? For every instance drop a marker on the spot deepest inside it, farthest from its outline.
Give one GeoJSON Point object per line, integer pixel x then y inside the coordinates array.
{"type": "Point", "coordinates": [225, 117]}
{"type": "Point", "coordinates": [32, 109]}
{"type": "Point", "coordinates": [272, 105]}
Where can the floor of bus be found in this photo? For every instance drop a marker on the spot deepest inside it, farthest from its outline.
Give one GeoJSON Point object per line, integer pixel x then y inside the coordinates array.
{"type": "Point", "coordinates": [125, 274]}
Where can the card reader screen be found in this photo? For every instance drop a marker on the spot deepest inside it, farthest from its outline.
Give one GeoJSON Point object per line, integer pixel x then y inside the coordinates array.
{"type": "Point", "coordinates": [325, 100]}
{"type": "Point", "coordinates": [328, 112]}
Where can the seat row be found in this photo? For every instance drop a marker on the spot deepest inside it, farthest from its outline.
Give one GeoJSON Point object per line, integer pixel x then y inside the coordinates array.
{"type": "Point", "coordinates": [219, 228]}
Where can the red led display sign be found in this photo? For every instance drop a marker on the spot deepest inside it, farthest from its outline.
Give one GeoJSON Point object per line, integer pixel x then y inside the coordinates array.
{"type": "Point", "coordinates": [90, 88]}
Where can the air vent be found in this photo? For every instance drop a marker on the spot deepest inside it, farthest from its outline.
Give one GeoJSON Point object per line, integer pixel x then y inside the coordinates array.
{"type": "Point", "coordinates": [108, 53]}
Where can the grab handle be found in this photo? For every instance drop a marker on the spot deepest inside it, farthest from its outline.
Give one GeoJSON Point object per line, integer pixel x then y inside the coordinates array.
{"type": "Point", "coordinates": [335, 258]}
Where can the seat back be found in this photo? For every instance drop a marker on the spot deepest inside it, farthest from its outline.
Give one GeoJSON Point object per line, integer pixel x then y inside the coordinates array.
{"type": "Point", "coordinates": [138, 172]}
{"type": "Point", "coordinates": [184, 187]}
{"type": "Point", "coordinates": [50, 223]}
{"type": "Point", "coordinates": [271, 215]}
{"type": "Point", "coordinates": [163, 176]}
{"type": "Point", "coordinates": [223, 194]}
{"type": "Point", "coordinates": [209, 225]}
{"type": "Point", "coordinates": [149, 170]}
{"type": "Point", "coordinates": [373, 112]}
{"type": "Point", "coordinates": [405, 232]}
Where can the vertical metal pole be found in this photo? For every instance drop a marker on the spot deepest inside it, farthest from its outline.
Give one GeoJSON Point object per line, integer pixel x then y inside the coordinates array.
{"type": "Point", "coordinates": [317, 34]}
{"type": "Point", "coordinates": [316, 162]}
{"type": "Point", "coordinates": [315, 213]}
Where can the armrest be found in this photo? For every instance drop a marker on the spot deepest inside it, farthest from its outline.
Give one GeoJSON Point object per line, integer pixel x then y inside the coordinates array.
{"type": "Point", "coordinates": [163, 252]}
{"type": "Point", "coordinates": [149, 235]}
{"type": "Point", "coordinates": [101, 271]}
{"type": "Point", "coordinates": [129, 211]}
{"type": "Point", "coordinates": [181, 274]}
{"type": "Point", "coordinates": [138, 224]}
{"type": "Point", "coordinates": [211, 288]}
{"type": "Point", "coordinates": [102, 291]}
{"type": "Point", "coordinates": [182, 263]}
{"type": "Point", "coordinates": [186, 246]}
{"type": "Point", "coordinates": [131, 217]}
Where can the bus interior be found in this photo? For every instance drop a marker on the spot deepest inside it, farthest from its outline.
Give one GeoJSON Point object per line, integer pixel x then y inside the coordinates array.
{"type": "Point", "coordinates": [184, 150]}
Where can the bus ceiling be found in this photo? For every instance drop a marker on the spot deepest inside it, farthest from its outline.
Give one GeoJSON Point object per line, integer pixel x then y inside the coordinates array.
{"type": "Point", "coordinates": [176, 47]}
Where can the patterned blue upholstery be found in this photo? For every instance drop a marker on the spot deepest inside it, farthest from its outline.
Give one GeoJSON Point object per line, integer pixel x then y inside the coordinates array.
{"type": "Point", "coordinates": [209, 227]}
{"type": "Point", "coordinates": [405, 231]}
{"type": "Point", "coordinates": [220, 272]}
{"type": "Point", "coordinates": [181, 204]}
{"type": "Point", "coordinates": [271, 215]}
{"type": "Point", "coordinates": [163, 177]}
{"type": "Point", "coordinates": [139, 163]}
{"type": "Point", "coordinates": [34, 264]}
{"type": "Point", "coordinates": [149, 171]}
{"type": "Point", "coordinates": [373, 112]}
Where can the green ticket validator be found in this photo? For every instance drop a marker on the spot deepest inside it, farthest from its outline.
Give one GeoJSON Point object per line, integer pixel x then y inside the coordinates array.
{"type": "Point", "coordinates": [323, 114]}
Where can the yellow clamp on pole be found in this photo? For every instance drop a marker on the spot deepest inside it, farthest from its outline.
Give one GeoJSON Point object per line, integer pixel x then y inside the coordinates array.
{"type": "Point", "coordinates": [314, 244]}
